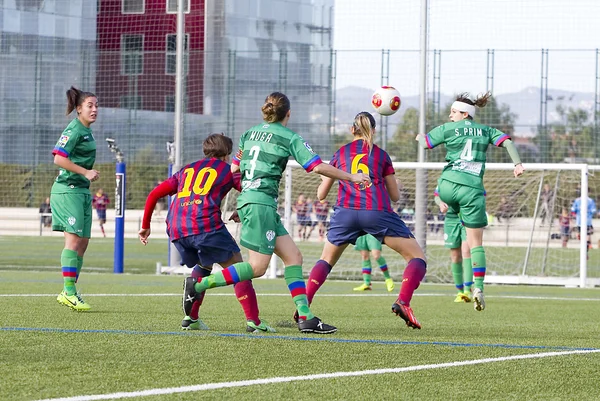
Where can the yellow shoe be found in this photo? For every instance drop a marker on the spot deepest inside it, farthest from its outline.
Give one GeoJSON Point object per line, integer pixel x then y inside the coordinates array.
{"type": "Point", "coordinates": [467, 296]}
{"type": "Point", "coordinates": [363, 287]}
{"type": "Point", "coordinates": [389, 283]}
{"type": "Point", "coordinates": [462, 297]}
{"type": "Point", "coordinates": [74, 302]}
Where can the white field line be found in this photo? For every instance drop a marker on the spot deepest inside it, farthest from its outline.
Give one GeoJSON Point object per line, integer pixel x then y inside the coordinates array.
{"type": "Point", "coordinates": [220, 294]}
{"type": "Point", "coordinates": [289, 379]}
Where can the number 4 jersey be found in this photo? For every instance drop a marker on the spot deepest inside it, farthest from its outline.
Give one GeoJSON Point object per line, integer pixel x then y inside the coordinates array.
{"type": "Point", "coordinates": [263, 154]}
{"type": "Point", "coordinates": [197, 191]}
{"type": "Point", "coordinates": [466, 146]}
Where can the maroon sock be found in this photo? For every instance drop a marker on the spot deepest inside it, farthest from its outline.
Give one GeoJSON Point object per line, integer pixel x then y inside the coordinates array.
{"type": "Point", "coordinates": [198, 273]}
{"type": "Point", "coordinates": [413, 274]}
{"type": "Point", "coordinates": [317, 277]}
{"type": "Point", "coordinates": [244, 291]}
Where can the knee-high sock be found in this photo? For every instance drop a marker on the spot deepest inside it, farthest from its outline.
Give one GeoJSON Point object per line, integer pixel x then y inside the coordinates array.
{"type": "Point", "coordinates": [317, 277]}
{"type": "Point", "coordinates": [366, 271]}
{"type": "Point", "coordinates": [479, 264]}
{"type": "Point", "coordinates": [297, 287]}
{"type": "Point", "coordinates": [233, 274]}
{"type": "Point", "coordinates": [457, 275]}
{"type": "Point", "coordinates": [413, 274]}
{"type": "Point", "coordinates": [244, 291]}
{"type": "Point", "coordinates": [383, 266]}
{"type": "Point", "coordinates": [79, 266]}
{"type": "Point", "coordinates": [467, 274]}
{"type": "Point", "coordinates": [68, 261]}
{"type": "Point", "coordinates": [198, 273]}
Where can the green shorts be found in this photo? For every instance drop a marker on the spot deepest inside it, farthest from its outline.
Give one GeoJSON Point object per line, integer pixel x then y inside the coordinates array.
{"type": "Point", "coordinates": [261, 225]}
{"type": "Point", "coordinates": [468, 201]}
{"type": "Point", "coordinates": [454, 231]}
{"type": "Point", "coordinates": [72, 213]}
{"type": "Point", "coordinates": [367, 243]}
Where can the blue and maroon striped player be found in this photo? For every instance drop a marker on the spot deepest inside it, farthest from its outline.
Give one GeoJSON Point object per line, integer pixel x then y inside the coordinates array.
{"type": "Point", "coordinates": [364, 210]}
{"type": "Point", "coordinates": [195, 226]}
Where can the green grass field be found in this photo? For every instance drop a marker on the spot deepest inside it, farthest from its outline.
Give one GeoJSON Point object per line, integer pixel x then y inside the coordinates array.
{"type": "Point", "coordinates": [530, 343]}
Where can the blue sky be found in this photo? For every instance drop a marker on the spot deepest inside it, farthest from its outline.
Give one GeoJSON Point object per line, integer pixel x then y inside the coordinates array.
{"type": "Point", "coordinates": [509, 26]}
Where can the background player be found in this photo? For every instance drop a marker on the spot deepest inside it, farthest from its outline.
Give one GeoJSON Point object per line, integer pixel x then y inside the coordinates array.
{"type": "Point", "coordinates": [591, 211]}
{"type": "Point", "coordinates": [263, 154]}
{"type": "Point", "coordinates": [100, 202]}
{"type": "Point", "coordinates": [70, 197]}
{"type": "Point", "coordinates": [461, 183]}
{"type": "Point", "coordinates": [321, 210]}
{"type": "Point", "coordinates": [195, 226]}
{"type": "Point", "coordinates": [371, 246]}
{"type": "Point", "coordinates": [367, 210]}
{"type": "Point", "coordinates": [455, 238]}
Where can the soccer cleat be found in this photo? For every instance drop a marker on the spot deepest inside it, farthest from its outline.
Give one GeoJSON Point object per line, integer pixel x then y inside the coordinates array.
{"type": "Point", "coordinates": [190, 324]}
{"type": "Point", "coordinates": [389, 283]}
{"type": "Point", "coordinates": [296, 316]}
{"type": "Point", "coordinates": [189, 294]}
{"type": "Point", "coordinates": [462, 297]}
{"type": "Point", "coordinates": [315, 325]}
{"type": "Point", "coordinates": [262, 327]}
{"type": "Point", "coordinates": [406, 313]}
{"type": "Point", "coordinates": [363, 287]}
{"type": "Point", "coordinates": [74, 302]}
{"type": "Point", "coordinates": [478, 300]}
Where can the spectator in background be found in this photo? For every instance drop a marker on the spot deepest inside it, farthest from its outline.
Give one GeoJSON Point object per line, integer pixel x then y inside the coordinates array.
{"type": "Point", "coordinates": [301, 208]}
{"type": "Point", "coordinates": [546, 196]}
{"type": "Point", "coordinates": [564, 220]}
{"type": "Point", "coordinates": [100, 203]}
{"type": "Point", "coordinates": [321, 210]}
{"type": "Point", "coordinates": [504, 210]}
{"type": "Point", "coordinates": [45, 208]}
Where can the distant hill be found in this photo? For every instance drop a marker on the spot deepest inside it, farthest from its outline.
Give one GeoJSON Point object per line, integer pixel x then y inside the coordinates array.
{"type": "Point", "coordinates": [525, 104]}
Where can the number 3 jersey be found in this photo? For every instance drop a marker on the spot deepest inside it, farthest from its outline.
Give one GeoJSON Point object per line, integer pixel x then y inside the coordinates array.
{"type": "Point", "coordinates": [466, 146]}
{"type": "Point", "coordinates": [197, 191]}
{"type": "Point", "coordinates": [263, 154]}
{"type": "Point", "coordinates": [355, 158]}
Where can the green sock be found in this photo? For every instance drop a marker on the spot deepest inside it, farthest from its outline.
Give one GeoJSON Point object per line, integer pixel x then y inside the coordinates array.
{"type": "Point", "coordinates": [231, 275]}
{"type": "Point", "coordinates": [366, 271]}
{"type": "Point", "coordinates": [68, 261]}
{"type": "Point", "coordinates": [383, 267]}
{"type": "Point", "coordinates": [478, 259]}
{"type": "Point", "coordinates": [457, 275]}
{"type": "Point", "coordinates": [467, 274]}
{"type": "Point", "coordinates": [297, 286]}
{"type": "Point", "coordinates": [79, 265]}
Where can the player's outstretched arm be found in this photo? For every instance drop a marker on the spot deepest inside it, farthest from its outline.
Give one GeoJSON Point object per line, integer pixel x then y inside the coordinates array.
{"type": "Point", "coordinates": [335, 173]}
{"type": "Point", "coordinates": [324, 188]}
{"type": "Point", "coordinates": [168, 187]}
{"type": "Point", "coordinates": [392, 187]}
{"type": "Point", "coordinates": [514, 156]}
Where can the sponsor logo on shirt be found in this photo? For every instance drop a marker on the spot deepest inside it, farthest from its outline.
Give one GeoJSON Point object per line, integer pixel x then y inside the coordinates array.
{"type": "Point", "coordinates": [63, 141]}
{"type": "Point", "coordinates": [307, 146]}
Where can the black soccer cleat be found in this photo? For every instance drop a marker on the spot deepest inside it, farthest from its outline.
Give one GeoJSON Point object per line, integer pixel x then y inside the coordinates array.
{"type": "Point", "coordinates": [315, 325]}
{"type": "Point", "coordinates": [189, 294]}
{"type": "Point", "coordinates": [296, 316]}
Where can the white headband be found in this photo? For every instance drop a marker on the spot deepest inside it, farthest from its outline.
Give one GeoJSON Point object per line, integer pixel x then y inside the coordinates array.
{"type": "Point", "coordinates": [464, 107]}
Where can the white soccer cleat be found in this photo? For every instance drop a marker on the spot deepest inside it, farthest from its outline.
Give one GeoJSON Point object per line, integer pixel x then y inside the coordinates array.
{"type": "Point", "coordinates": [478, 300]}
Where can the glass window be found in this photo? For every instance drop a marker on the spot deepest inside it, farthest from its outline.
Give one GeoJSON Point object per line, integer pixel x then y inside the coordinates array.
{"type": "Point", "coordinates": [171, 54]}
{"type": "Point", "coordinates": [170, 103]}
{"type": "Point", "coordinates": [133, 6]}
{"type": "Point", "coordinates": [131, 102]}
{"type": "Point", "coordinates": [172, 6]}
{"type": "Point", "coordinates": [132, 55]}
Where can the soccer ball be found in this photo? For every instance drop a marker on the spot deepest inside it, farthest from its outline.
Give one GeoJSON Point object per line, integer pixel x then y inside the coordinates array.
{"type": "Point", "coordinates": [386, 100]}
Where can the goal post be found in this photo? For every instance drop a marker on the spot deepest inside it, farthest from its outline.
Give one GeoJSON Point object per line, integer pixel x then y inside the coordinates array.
{"type": "Point", "coordinates": [522, 245]}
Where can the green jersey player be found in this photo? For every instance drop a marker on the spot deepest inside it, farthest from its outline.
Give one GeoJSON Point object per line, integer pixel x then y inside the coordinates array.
{"type": "Point", "coordinates": [461, 183]}
{"type": "Point", "coordinates": [70, 197]}
{"type": "Point", "coordinates": [263, 154]}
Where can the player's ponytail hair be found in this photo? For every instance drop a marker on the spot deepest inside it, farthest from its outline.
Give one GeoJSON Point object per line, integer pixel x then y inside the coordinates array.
{"type": "Point", "coordinates": [364, 127]}
{"type": "Point", "coordinates": [75, 98]}
{"type": "Point", "coordinates": [217, 145]}
{"type": "Point", "coordinates": [276, 107]}
{"type": "Point", "coordinates": [480, 101]}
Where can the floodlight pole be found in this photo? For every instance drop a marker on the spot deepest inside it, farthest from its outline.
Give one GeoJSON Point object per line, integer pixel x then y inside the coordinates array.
{"type": "Point", "coordinates": [119, 256]}
{"type": "Point", "coordinates": [421, 173]}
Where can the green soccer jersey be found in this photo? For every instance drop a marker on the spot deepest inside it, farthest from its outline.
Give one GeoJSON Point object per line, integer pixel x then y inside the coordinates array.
{"type": "Point", "coordinates": [466, 146]}
{"type": "Point", "coordinates": [78, 145]}
{"type": "Point", "coordinates": [263, 154]}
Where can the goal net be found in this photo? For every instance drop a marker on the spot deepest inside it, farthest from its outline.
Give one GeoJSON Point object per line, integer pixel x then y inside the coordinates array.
{"type": "Point", "coordinates": [523, 239]}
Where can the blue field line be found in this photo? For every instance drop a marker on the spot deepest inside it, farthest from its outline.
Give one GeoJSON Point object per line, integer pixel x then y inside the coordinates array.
{"type": "Point", "coordinates": [292, 338]}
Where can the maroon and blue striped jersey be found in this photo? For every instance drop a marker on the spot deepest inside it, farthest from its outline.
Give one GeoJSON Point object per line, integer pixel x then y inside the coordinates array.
{"type": "Point", "coordinates": [197, 191]}
{"type": "Point", "coordinates": [354, 158]}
